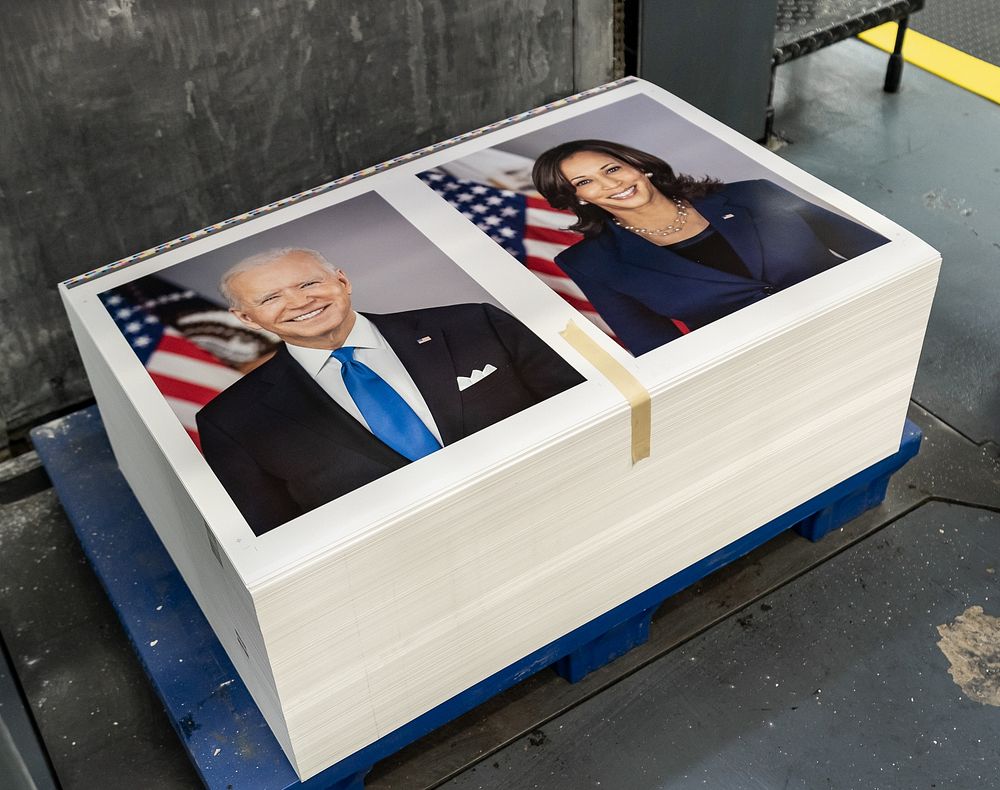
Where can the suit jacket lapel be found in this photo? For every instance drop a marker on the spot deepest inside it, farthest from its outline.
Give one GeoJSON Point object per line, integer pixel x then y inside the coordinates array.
{"type": "Point", "coordinates": [636, 251]}
{"type": "Point", "coordinates": [297, 396]}
{"type": "Point", "coordinates": [736, 226]}
{"type": "Point", "coordinates": [431, 367]}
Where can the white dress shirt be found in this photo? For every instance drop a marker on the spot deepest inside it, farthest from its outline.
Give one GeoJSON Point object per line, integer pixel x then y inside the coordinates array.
{"type": "Point", "coordinates": [371, 349]}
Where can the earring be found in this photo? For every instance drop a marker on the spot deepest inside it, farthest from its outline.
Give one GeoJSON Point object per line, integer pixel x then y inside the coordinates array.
{"type": "Point", "coordinates": [648, 175]}
{"type": "Point", "coordinates": [582, 202]}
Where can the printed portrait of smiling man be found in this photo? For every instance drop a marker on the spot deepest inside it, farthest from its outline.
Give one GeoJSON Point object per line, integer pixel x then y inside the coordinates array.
{"type": "Point", "coordinates": [351, 396]}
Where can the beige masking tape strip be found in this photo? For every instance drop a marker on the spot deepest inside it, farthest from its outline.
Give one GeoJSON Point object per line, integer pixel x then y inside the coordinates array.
{"type": "Point", "coordinates": [627, 384]}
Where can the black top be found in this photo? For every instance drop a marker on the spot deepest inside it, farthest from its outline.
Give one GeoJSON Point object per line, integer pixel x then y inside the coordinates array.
{"type": "Point", "coordinates": [709, 248]}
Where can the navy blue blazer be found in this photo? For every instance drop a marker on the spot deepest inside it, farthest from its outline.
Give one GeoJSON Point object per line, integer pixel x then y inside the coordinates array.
{"type": "Point", "coordinates": [639, 288]}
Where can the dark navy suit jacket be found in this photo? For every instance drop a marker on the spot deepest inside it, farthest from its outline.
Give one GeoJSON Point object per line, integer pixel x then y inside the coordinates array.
{"type": "Point", "coordinates": [281, 446]}
{"type": "Point", "coordinates": [640, 288]}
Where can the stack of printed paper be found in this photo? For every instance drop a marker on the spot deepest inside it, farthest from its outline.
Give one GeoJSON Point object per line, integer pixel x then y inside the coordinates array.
{"type": "Point", "coordinates": [401, 430]}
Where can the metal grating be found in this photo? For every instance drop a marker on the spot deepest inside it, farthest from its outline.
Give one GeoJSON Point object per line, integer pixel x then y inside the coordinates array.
{"type": "Point", "coordinates": [804, 26]}
{"type": "Point", "coordinates": [972, 26]}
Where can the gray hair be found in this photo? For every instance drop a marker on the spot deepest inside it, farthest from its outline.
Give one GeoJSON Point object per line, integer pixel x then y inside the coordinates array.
{"type": "Point", "coordinates": [262, 259]}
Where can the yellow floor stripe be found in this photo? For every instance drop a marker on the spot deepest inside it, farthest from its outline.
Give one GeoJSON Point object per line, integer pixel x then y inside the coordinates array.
{"type": "Point", "coordinates": [951, 64]}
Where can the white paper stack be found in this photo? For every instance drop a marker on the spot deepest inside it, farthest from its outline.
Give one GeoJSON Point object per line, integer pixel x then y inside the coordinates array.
{"type": "Point", "coordinates": [359, 615]}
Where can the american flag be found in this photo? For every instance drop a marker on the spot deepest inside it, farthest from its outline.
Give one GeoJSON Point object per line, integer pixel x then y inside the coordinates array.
{"type": "Point", "coordinates": [524, 224]}
{"type": "Point", "coordinates": [186, 375]}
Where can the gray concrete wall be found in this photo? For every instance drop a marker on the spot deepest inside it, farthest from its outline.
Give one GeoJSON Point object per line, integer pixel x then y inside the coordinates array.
{"type": "Point", "coordinates": [129, 122]}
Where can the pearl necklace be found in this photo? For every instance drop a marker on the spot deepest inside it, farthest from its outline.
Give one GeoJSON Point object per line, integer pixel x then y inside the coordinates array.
{"type": "Point", "coordinates": [678, 223]}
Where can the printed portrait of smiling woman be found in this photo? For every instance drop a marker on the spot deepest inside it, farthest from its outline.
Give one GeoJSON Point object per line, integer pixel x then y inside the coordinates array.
{"type": "Point", "coordinates": [664, 253]}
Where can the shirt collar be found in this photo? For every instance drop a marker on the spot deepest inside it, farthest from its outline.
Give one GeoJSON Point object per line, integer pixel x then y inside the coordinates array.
{"type": "Point", "coordinates": [363, 335]}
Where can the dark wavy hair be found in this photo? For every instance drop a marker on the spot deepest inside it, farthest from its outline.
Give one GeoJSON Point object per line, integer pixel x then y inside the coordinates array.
{"type": "Point", "coordinates": [590, 219]}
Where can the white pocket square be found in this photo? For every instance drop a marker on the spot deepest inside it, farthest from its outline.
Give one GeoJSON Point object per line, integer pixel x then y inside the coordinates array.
{"type": "Point", "coordinates": [464, 382]}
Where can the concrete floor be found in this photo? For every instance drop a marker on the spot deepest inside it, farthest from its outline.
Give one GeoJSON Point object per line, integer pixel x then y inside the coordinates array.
{"type": "Point", "coordinates": [837, 679]}
{"type": "Point", "coordinates": [802, 665]}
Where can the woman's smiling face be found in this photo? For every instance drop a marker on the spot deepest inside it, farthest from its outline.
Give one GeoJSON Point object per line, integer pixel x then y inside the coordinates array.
{"type": "Point", "coordinates": [603, 180]}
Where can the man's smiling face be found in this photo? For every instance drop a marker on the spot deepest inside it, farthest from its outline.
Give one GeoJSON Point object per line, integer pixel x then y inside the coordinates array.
{"type": "Point", "coordinates": [298, 298]}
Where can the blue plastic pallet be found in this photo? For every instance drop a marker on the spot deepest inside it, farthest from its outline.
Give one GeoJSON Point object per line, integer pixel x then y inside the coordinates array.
{"type": "Point", "coordinates": [225, 734]}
